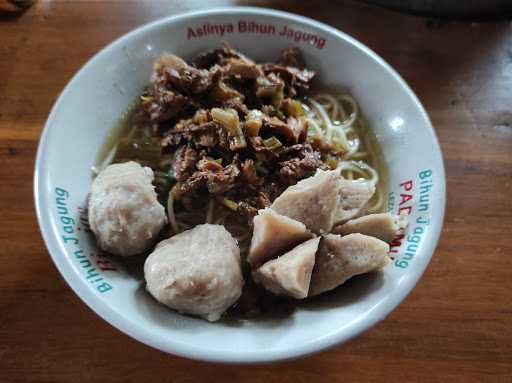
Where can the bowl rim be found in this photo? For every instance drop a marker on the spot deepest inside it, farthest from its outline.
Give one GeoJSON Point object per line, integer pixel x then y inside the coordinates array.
{"type": "Point", "coordinates": [193, 351]}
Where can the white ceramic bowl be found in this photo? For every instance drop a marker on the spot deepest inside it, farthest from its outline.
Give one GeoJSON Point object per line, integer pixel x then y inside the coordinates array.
{"type": "Point", "coordinates": [99, 93]}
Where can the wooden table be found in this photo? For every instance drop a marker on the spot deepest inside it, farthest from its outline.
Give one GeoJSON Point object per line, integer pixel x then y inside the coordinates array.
{"type": "Point", "coordinates": [455, 326]}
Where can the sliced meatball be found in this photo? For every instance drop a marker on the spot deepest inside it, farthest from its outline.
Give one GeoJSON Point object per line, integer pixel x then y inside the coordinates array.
{"type": "Point", "coordinates": [289, 274]}
{"type": "Point", "coordinates": [384, 226]}
{"type": "Point", "coordinates": [311, 201]}
{"type": "Point", "coordinates": [196, 272]}
{"type": "Point", "coordinates": [353, 198]}
{"type": "Point", "coordinates": [340, 258]}
{"type": "Point", "coordinates": [273, 234]}
{"type": "Point", "coordinates": [124, 212]}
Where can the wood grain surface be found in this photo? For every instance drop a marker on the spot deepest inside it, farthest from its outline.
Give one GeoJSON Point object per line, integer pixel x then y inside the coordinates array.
{"type": "Point", "coordinates": [456, 326]}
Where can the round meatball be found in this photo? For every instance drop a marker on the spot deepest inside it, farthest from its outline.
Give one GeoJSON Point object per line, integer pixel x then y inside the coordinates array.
{"type": "Point", "coordinates": [196, 272]}
{"type": "Point", "coordinates": [124, 212]}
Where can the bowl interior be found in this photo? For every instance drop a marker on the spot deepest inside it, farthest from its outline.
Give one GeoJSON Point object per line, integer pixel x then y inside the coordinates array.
{"type": "Point", "coordinates": [90, 105]}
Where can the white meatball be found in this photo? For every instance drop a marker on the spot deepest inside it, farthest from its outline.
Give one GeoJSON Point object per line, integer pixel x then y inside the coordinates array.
{"type": "Point", "coordinates": [196, 272]}
{"type": "Point", "coordinates": [124, 212]}
{"type": "Point", "coordinates": [340, 258]}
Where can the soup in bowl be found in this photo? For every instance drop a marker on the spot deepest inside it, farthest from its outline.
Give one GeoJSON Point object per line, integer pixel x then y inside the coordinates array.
{"type": "Point", "coordinates": [239, 185]}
